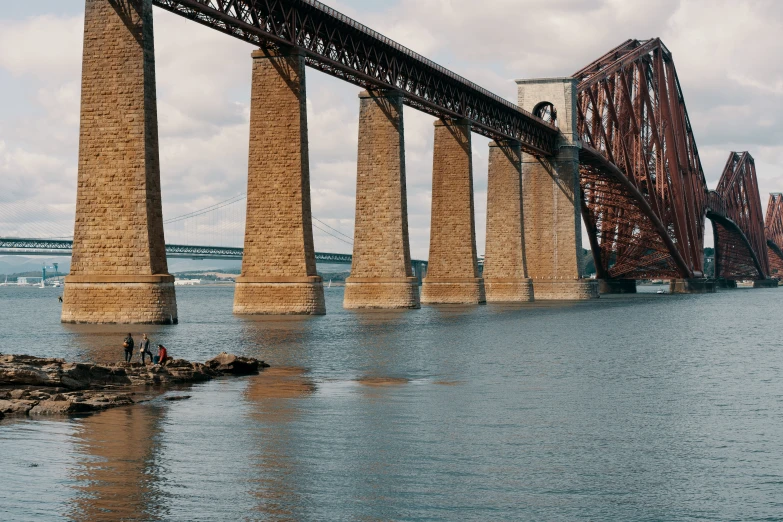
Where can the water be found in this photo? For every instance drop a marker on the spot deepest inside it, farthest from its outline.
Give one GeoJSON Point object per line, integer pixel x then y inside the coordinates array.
{"type": "Point", "coordinates": [643, 407]}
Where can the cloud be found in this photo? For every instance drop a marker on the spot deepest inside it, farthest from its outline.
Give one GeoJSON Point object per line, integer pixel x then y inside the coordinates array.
{"type": "Point", "coordinates": [26, 53]}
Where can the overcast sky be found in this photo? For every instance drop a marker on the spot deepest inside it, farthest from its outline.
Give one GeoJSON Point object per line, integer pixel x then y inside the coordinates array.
{"type": "Point", "coordinates": [727, 55]}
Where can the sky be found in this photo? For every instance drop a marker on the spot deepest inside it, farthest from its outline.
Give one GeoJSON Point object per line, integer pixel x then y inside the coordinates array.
{"type": "Point", "coordinates": [726, 54]}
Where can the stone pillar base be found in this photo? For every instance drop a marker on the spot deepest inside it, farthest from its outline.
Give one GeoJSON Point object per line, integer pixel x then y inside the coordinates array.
{"type": "Point", "coordinates": [725, 283]}
{"type": "Point", "coordinates": [453, 291]}
{"type": "Point", "coordinates": [692, 286]}
{"type": "Point", "coordinates": [565, 290]}
{"type": "Point", "coordinates": [617, 286]}
{"type": "Point", "coordinates": [765, 283]}
{"type": "Point", "coordinates": [279, 296]}
{"type": "Point", "coordinates": [119, 300]}
{"type": "Point", "coordinates": [509, 290]}
{"type": "Point", "coordinates": [378, 292]}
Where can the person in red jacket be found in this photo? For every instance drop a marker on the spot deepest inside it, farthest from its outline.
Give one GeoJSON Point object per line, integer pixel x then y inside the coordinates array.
{"type": "Point", "coordinates": [162, 355]}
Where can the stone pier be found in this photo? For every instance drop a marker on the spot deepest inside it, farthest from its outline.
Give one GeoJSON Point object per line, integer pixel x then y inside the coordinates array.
{"type": "Point", "coordinates": [381, 274]}
{"type": "Point", "coordinates": [765, 283]}
{"type": "Point", "coordinates": [452, 272]}
{"type": "Point", "coordinates": [617, 286]}
{"type": "Point", "coordinates": [698, 285]}
{"type": "Point", "coordinates": [118, 269]}
{"type": "Point", "coordinates": [278, 267]}
{"type": "Point", "coordinates": [551, 198]}
{"type": "Point", "coordinates": [505, 276]}
{"type": "Point", "coordinates": [725, 284]}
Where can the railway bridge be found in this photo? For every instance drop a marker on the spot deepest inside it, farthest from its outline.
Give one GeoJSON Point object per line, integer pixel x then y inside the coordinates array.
{"type": "Point", "coordinates": [611, 145]}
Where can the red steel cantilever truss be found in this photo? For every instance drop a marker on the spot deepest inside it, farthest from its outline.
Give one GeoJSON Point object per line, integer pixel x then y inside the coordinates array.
{"type": "Point", "coordinates": [738, 223]}
{"type": "Point", "coordinates": [773, 228]}
{"type": "Point", "coordinates": [644, 194]}
{"type": "Point", "coordinates": [643, 188]}
{"type": "Point", "coordinates": [342, 47]}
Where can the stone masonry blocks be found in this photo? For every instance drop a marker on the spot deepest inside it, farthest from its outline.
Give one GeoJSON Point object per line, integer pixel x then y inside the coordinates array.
{"type": "Point", "coordinates": [118, 269]}
{"type": "Point", "coordinates": [452, 273]}
{"type": "Point", "coordinates": [278, 266]}
{"type": "Point", "coordinates": [152, 303]}
{"type": "Point", "coordinates": [381, 274]}
{"type": "Point", "coordinates": [551, 199]}
{"type": "Point", "coordinates": [505, 274]}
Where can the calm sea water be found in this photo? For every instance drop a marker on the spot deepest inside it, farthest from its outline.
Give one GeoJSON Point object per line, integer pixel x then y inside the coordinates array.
{"type": "Point", "coordinates": [646, 407]}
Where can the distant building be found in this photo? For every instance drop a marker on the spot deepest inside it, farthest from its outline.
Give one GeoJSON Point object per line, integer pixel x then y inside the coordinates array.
{"type": "Point", "coordinates": [28, 280]}
{"type": "Point", "coordinates": [187, 282]}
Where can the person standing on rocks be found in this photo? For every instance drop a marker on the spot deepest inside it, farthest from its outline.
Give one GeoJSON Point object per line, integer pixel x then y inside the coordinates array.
{"type": "Point", "coordinates": [144, 348]}
{"type": "Point", "coordinates": [128, 345]}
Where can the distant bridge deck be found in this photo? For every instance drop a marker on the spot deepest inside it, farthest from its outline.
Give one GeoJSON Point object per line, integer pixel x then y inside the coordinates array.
{"type": "Point", "coordinates": [63, 247]}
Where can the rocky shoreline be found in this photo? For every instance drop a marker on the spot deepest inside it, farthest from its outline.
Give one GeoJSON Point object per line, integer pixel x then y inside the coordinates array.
{"type": "Point", "coordinates": [36, 386]}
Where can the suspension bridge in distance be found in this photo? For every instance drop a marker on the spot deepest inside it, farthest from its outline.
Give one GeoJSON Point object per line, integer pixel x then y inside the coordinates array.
{"type": "Point", "coordinates": [10, 246]}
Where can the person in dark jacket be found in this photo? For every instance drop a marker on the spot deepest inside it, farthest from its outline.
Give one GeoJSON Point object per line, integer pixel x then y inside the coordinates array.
{"type": "Point", "coordinates": [144, 348]}
{"type": "Point", "coordinates": [128, 345]}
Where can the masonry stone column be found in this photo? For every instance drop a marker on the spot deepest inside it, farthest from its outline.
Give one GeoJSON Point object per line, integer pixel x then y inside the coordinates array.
{"type": "Point", "coordinates": [452, 271]}
{"type": "Point", "coordinates": [381, 275]}
{"type": "Point", "coordinates": [118, 269]}
{"type": "Point", "coordinates": [551, 197]}
{"type": "Point", "coordinates": [278, 266]}
{"type": "Point", "coordinates": [505, 271]}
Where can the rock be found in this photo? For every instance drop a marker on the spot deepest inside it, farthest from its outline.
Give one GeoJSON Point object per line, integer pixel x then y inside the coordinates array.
{"type": "Point", "coordinates": [17, 406]}
{"type": "Point", "coordinates": [46, 386]}
{"type": "Point", "coordinates": [60, 408]}
{"type": "Point", "coordinates": [229, 364]}
{"type": "Point", "coordinates": [105, 401]}
{"type": "Point", "coordinates": [177, 398]}
{"type": "Point", "coordinates": [20, 370]}
{"type": "Point", "coordinates": [17, 394]}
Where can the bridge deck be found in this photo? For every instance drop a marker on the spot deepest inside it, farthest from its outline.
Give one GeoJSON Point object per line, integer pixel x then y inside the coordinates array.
{"type": "Point", "coordinates": [62, 247]}
{"type": "Point", "coordinates": [342, 47]}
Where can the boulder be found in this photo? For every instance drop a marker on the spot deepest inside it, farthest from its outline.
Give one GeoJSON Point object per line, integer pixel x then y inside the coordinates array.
{"type": "Point", "coordinates": [59, 408]}
{"type": "Point", "coordinates": [229, 364]}
{"type": "Point", "coordinates": [182, 371]}
{"type": "Point", "coordinates": [106, 401]}
{"type": "Point", "coordinates": [176, 397]}
{"type": "Point", "coordinates": [17, 394]}
{"type": "Point", "coordinates": [17, 407]}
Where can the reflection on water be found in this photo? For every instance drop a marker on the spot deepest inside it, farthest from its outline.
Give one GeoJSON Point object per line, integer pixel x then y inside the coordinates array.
{"type": "Point", "coordinates": [382, 381]}
{"type": "Point", "coordinates": [632, 407]}
{"type": "Point", "coordinates": [272, 397]}
{"type": "Point", "coordinates": [116, 477]}
{"type": "Point", "coordinates": [279, 383]}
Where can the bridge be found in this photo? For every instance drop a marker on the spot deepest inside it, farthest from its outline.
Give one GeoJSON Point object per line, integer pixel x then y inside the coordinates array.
{"type": "Point", "coordinates": [644, 194]}
{"type": "Point", "coordinates": [773, 228]}
{"type": "Point", "coordinates": [64, 247]}
{"type": "Point", "coordinates": [611, 146]}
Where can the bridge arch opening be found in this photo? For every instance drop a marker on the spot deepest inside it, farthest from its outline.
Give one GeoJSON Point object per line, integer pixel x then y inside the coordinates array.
{"type": "Point", "coordinates": [547, 112]}
{"type": "Point", "coordinates": [733, 256]}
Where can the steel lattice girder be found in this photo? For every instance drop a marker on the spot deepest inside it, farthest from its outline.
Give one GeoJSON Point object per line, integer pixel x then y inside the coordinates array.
{"type": "Point", "coordinates": [342, 47]}
{"type": "Point", "coordinates": [740, 246]}
{"type": "Point", "coordinates": [644, 194]}
{"type": "Point", "coordinates": [773, 229]}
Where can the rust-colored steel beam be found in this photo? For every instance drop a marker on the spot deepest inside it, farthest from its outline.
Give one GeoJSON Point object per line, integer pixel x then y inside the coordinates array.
{"type": "Point", "coordinates": [773, 228]}
{"type": "Point", "coordinates": [740, 241]}
{"type": "Point", "coordinates": [644, 194]}
{"type": "Point", "coordinates": [646, 198]}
